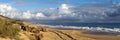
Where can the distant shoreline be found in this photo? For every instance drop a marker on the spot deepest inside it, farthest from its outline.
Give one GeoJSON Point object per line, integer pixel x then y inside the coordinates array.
{"type": "Point", "coordinates": [100, 33]}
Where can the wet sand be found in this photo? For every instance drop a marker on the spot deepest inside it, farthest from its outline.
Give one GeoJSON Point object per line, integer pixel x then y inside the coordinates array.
{"type": "Point", "coordinates": [103, 33]}
{"type": "Point", "coordinates": [95, 32]}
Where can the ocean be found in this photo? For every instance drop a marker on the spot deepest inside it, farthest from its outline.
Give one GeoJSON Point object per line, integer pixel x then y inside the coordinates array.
{"type": "Point", "coordinates": [78, 24]}
{"type": "Point", "coordinates": [104, 25]}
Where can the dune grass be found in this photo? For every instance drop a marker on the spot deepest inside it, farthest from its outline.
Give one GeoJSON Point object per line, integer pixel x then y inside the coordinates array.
{"type": "Point", "coordinates": [7, 29]}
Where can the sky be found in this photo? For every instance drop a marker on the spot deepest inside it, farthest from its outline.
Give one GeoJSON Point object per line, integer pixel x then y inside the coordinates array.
{"type": "Point", "coordinates": [59, 10]}
{"type": "Point", "coordinates": [30, 4]}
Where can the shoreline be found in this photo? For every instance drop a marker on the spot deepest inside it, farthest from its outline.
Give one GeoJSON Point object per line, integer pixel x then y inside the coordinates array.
{"type": "Point", "coordinates": [85, 28]}
{"type": "Point", "coordinates": [99, 33]}
{"type": "Point", "coordinates": [63, 33]}
{"type": "Point", "coordinates": [82, 33]}
{"type": "Point", "coordinates": [91, 32]}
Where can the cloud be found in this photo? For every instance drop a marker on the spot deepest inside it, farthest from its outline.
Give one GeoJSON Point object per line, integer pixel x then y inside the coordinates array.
{"type": "Point", "coordinates": [4, 7]}
{"type": "Point", "coordinates": [6, 10]}
{"type": "Point", "coordinates": [64, 6]}
{"type": "Point", "coordinates": [66, 12]}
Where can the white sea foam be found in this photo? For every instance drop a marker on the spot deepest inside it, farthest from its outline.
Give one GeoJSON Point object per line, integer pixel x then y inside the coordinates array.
{"type": "Point", "coordinates": [100, 29]}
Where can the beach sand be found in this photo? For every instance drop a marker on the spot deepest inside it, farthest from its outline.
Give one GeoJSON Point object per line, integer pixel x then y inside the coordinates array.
{"type": "Point", "coordinates": [72, 34]}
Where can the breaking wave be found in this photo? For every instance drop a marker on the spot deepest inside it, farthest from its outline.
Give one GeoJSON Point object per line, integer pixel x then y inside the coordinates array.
{"type": "Point", "coordinates": [100, 29]}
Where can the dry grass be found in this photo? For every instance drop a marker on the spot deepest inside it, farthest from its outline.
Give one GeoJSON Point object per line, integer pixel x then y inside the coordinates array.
{"type": "Point", "coordinates": [7, 29]}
